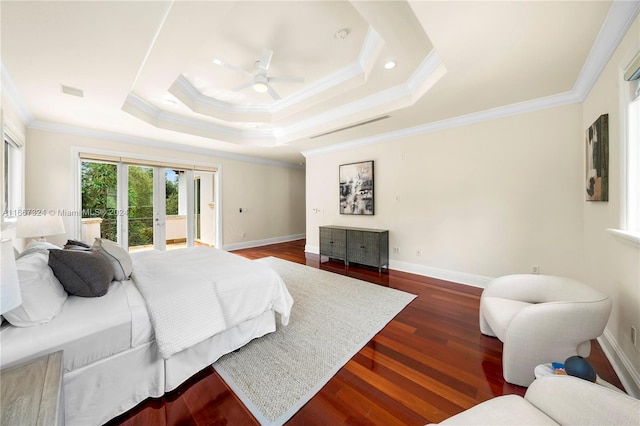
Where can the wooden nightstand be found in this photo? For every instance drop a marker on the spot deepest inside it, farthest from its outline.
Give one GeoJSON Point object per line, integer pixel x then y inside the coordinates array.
{"type": "Point", "coordinates": [32, 392]}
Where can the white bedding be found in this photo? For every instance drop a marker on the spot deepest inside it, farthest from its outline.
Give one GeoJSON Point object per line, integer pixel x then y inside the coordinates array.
{"type": "Point", "coordinates": [88, 329]}
{"type": "Point", "coordinates": [194, 293]}
{"type": "Point", "coordinates": [111, 357]}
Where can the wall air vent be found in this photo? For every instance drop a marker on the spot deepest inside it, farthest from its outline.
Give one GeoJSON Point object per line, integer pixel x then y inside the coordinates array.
{"type": "Point", "coordinates": [68, 90]}
{"type": "Point", "coordinates": [384, 117]}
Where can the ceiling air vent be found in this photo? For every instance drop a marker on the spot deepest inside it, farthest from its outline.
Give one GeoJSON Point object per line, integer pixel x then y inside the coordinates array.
{"type": "Point", "coordinates": [384, 117]}
{"type": "Point", "coordinates": [72, 91]}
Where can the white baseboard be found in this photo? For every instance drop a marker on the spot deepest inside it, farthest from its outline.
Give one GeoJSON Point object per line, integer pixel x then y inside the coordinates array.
{"type": "Point", "coordinates": [442, 274]}
{"type": "Point", "coordinates": [266, 242]}
{"type": "Point", "coordinates": [625, 370]}
{"type": "Point", "coordinates": [428, 271]}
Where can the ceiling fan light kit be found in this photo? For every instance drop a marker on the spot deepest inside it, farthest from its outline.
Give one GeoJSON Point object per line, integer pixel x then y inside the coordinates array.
{"type": "Point", "coordinates": [260, 87]}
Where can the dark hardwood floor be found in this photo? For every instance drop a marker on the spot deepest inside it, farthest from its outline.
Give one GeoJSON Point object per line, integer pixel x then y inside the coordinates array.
{"type": "Point", "coordinates": [427, 364]}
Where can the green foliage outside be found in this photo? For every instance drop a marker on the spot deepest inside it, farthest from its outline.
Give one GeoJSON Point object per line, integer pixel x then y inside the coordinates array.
{"type": "Point", "coordinates": [99, 199]}
{"type": "Point", "coordinates": [140, 206]}
{"type": "Point", "coordinates": [172, 196]}
{"type": "Point", "coordinates": [99, 196]}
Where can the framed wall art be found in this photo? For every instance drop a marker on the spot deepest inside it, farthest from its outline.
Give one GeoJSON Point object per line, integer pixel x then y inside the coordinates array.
{"type": "Point", "coordinates": [356, 188]}
{"type": "Point", "coordinates": [597, 160]}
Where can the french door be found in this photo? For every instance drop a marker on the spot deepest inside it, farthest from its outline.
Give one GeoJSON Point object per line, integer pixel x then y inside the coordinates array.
{"type": "Point", "coordinates": [143, 206]}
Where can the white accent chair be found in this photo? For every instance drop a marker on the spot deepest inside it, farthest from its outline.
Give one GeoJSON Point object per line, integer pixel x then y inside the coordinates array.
{"type": "Point", "coordinates": [563, 400]}
{"type": "Point", "coordinates": [540, 319]}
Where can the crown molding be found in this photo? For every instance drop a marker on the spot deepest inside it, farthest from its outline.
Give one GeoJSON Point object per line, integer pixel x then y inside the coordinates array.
{"type": "Point", "coordinates": [118, 137]}
{"type": "Point", "coordinates": [215, 108]}
{"type": "Point", "coordinates": [175, 122]}
{"type": "Point", "coordinates": [228, 108]}
{"type": "Point", "coordinates": [391, 98]}
{"type": "Point", "coordinates": [616, 24]}
{"type": "Point", "coordinates": [620, 17]}
{"type": "Point", "coordinates": [402, 95]}
{"type": "Point", "coordinates": [12, 95]}
{"type": "Point", "coordinates": [450, 123]}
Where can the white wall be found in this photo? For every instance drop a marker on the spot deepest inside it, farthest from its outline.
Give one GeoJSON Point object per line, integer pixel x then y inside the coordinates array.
{"type": "Point", "coordinates": [274, 195]}
{"type": "Point", "coordinates": [494, 198]}
{"type": "Point", "coordinates": [478, 201]}
{"type": "Point", "coordinates": [271, 198]}
{"type": "Point", "coordinates": [613, 264]}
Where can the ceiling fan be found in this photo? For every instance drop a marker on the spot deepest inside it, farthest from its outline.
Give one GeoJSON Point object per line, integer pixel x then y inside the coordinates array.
{"type": "Point", "coordinates": [260, 82]}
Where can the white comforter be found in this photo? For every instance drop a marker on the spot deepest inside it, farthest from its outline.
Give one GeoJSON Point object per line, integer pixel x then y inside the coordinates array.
{"type": "Point", "coordinates": [197, 292]}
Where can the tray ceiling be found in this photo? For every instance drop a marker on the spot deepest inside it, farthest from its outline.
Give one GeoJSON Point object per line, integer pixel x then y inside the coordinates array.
{"type": "Point", "coordinates": [151, 70]}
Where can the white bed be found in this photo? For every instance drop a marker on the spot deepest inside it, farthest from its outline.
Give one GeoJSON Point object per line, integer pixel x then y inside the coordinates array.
{"type": "Point", "coordinates": [111, 356]}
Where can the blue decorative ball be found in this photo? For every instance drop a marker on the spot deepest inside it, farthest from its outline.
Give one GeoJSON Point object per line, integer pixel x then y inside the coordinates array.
{"type": "Point", "coordinates": [579, 367]}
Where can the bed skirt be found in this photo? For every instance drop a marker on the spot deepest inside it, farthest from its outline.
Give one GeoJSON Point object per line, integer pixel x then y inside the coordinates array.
{"type": "Point", "coordinates": [100, 391]}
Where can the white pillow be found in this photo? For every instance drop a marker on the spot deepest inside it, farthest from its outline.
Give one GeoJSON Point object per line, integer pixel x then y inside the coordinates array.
{"type": "Point", "coordinates": [35, 245]}
{"type": "Point", "coordinates": [42, 293]}
{"type": "Point", "coordinates": [118, 257]}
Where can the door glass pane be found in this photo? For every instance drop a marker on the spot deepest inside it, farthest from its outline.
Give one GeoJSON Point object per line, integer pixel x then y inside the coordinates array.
{"type": "Point", "coordinates": [99, 183]}
{"type": "Point", "coordinates": [140, 194]}
{"type": "Point", "coordinates": [175, 208]}
{"type": "Point", "coordinates": [205, 218]}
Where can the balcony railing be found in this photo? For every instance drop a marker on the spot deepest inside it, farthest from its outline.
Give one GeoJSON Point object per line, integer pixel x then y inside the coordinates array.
{"type": "Point", "coordinates": [140, 231]}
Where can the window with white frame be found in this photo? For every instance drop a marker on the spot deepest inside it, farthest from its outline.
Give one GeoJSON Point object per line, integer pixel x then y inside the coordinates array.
{"type": "Point", "coordinates": [12, 174]}
{"type": "Point", "coordinates": [631, 180]}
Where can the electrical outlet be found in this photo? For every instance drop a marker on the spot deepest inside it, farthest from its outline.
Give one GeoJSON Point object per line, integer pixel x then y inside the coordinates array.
{"type": "Point", "coordinates": [634, 336]}
{"type": "Point", "coordinates": [396, 250]}
{"type": "Point", "coordinates": [535, 269]}
{"type": "Point", "coordinates": [418, 252]}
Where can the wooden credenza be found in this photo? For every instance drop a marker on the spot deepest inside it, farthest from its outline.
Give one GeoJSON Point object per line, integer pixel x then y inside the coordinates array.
{"type": "Point", "coordinates": [358, 245]}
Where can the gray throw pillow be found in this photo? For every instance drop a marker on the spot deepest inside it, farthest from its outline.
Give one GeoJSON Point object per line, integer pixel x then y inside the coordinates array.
{"type": "Point", "coordinates": [81, 273]}
{"type": "Point", "coordinates": [76, 245]}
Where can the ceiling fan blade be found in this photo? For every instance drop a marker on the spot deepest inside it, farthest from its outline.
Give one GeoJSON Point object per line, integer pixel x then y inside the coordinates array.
{"type": "Point", "coordinates": [242, 86]}
{"type": "Point", "coordinates": [232, 67]}
{"type": "Point", "coordinates": [286, 79]}
{"type": "Point", "coordinates": [273, 93]}
{"type": "Point", "coordinates": [265, 61]}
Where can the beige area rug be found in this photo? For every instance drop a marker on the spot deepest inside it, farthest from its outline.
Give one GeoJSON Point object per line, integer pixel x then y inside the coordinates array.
{"type": "Point", "coordinates": [333, 317]}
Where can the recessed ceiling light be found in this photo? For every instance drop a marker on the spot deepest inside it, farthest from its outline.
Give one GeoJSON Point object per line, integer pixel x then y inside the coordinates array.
{"type": "Point", "coordinates": [342, 34]}
{"type": "Point", "coordinates": [390, 65]}
{"type": "Point", "coordinates": [218, 61]}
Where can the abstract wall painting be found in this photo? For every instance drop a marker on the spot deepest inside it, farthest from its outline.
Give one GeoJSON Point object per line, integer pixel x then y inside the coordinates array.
{"type": "Point", "coordinates": [356, 188]}
{"type": "Point", "coordinates": [597, 160]}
